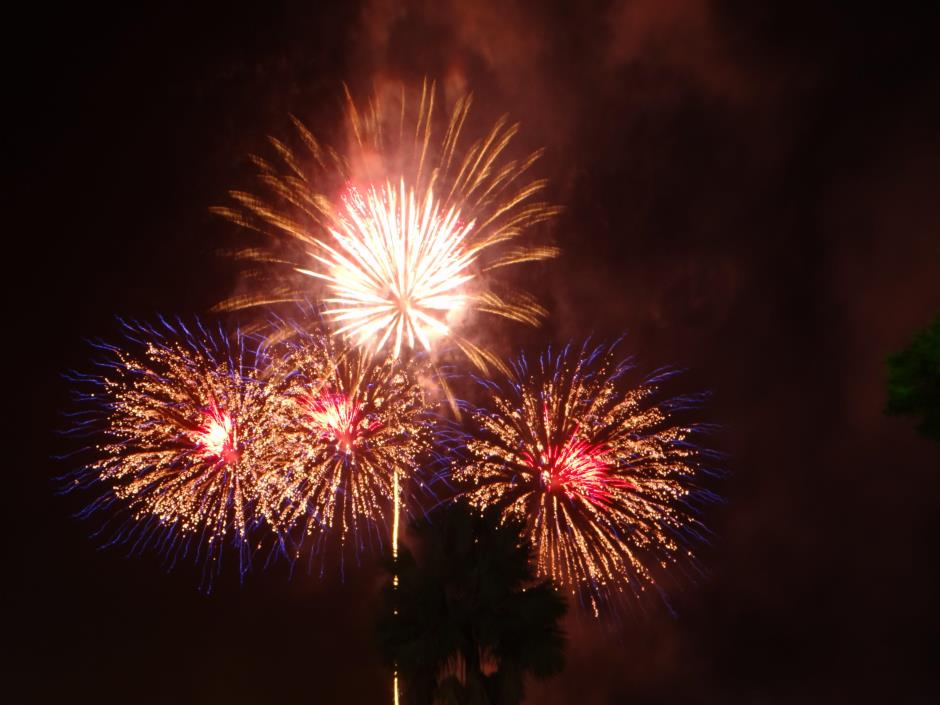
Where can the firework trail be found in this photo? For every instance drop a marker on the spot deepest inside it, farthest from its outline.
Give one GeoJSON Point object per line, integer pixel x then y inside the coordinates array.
{"type": "Point", "coordinates": [602, 475]}
{"type": "Point", "coordinates": [349, 424]}
{"type": "Point", "coordinates": [402, 233]}
{"type": "Point", "coordinates": [180, 432]}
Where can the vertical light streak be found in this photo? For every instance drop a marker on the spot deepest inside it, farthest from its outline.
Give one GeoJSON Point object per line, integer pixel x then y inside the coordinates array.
{"type": "Point", "coordinates": [395, 559]}
{"type": "Point", "coordinates": [395, 520]}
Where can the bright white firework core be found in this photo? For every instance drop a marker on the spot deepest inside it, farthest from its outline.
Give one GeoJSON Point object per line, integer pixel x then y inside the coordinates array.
{"type": "Point", "coordinates": [396, 268]}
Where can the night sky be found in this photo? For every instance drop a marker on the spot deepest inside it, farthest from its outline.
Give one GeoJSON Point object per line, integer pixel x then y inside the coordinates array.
{"type": "Point", "coordinates": [752, 194]}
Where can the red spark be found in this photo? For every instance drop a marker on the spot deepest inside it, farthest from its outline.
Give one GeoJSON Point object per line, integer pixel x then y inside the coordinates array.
{"type": "Point", "coordinates": [335, 417]}
{"type": "Point", "coordinates": [578, 469]}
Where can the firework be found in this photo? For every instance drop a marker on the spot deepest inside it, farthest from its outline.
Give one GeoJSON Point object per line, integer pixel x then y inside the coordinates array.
{"type": "Point", "coordinates": [405, 240]}
{"type": "Point", "coordinates": [349, 425]}
{"type": "Point", "coordinates": [180, 443]}
{"type": "Point", "coordinates": [601, 474]}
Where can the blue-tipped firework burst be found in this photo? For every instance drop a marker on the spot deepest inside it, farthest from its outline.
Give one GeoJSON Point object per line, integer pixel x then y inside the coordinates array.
{"type": "Point", "coordinates": [353, 428]}
{"type": "Point", "coordinates": [604, 477]}
{"type": "Point", "coordinates": [179, 422]}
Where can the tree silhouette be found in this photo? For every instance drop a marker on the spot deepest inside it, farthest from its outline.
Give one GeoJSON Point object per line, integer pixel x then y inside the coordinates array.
{"type": "Point", "coordinates": [914, 381]}
{"type": "Point", "coordinates": [468, 620]}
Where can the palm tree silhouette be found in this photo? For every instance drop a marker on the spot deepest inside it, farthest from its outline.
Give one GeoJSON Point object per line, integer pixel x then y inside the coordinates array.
{"type": "Point", "coordinates": [468, 620]}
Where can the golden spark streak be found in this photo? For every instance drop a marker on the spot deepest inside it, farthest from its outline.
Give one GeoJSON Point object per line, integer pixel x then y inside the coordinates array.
{"type": "Point", "coordinates": [395, 577]}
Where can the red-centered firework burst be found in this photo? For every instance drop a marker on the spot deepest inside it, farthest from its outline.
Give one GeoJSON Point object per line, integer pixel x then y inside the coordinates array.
{"type": "Point", "coordinates": [349, 425]}
{"type": "Point", "coordinates": [603, 476]}
{"type": "Point", "coordinates": [403, 235]}
{"type": "Point", "coordinates": [178, 419]}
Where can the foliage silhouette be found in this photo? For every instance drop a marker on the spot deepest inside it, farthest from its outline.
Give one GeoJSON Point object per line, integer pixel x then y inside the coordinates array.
{"type": "Point", "coordinates": [914, 381]}
{"type": "Point", "coordinates": [468, 620]}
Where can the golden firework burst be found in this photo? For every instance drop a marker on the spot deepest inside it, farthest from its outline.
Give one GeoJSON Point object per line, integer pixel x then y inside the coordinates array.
{"type": "Point", "coordinates": [600, 473]}
{"type": "Point", "coordinates": [405, 231]}
{"type": "Point", "coordinates": [348, 423]}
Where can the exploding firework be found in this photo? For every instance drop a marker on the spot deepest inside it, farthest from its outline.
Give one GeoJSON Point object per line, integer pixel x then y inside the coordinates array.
{"type": "Point", "coordinates": [179, 438]}
{"type": "Point", "coordinates": [351, 426]}
{"type": "Point", "coordinates": [599, 471]}
{"type": "Point", "coordinates": [405, 241]}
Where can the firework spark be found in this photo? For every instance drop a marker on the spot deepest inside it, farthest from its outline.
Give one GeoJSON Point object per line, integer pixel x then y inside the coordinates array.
{"type": "Point", "coordinates": [598, 470]}
{"type": "Point", "coordinates": [405, 240]}
{"type": "Point", "coordinates": [347, 422]}
{"type": "Point", "coordinates": [180, 439]}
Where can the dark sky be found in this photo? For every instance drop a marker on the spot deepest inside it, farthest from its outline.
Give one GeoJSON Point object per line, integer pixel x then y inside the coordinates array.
{"type": "Point", "coordinates": [751, 192]}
